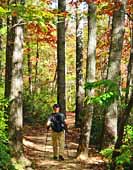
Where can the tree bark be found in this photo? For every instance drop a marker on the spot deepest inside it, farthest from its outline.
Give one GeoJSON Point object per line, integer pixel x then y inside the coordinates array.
{"type": "Point", "coordinates": [61, 96]}
{"type": "Point", "coordinates": [79, 64]}
{"type": "Point", "coordinates": [16, 109]}
{"type": "Point", "coordinates": [9, 53]}
{"type": "Point", "coordinates": [29, 69]}
{"type": "Point", "coordinates": [111, 117]}
{"type": "Point", "coordinates": [15, 60]}
{"type": "Point", "coordinates": [36, 66]}
{"type": "Point", "coordinates": [0, 51]}
{"type": "Point", "coordinates": [90, 77]}
{"type": "Point", "coordinates": [126, 112]}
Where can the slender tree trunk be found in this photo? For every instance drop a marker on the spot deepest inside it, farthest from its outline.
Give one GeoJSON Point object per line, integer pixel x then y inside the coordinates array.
{"type": "Point", "coordinates": [0, 51]}
{"type": "Point", "coordinates": [36, 66]}
{"type": "Point", "coordinates": [126, 112]}
{"type": "Point", "coordinates": [61, 96]}
{"type": "Point", "coordinates": [29, 69]}
{"type": "Point", "coordinates": [111, 117]}
{"type": "Point", "coordinates": [104, 60]}
{"type": "Point", "coordinates": [90, 77]}
{"type": "Point", "coordinates": [79, 65]}
{"type": "Point", "coordinates": [9, 53]}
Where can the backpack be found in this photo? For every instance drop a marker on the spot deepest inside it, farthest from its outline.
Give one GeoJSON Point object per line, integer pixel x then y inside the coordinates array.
{"type": "Point", "coordinates": [57, 122]}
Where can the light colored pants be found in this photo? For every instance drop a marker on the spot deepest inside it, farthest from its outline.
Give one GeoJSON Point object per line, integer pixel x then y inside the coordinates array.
{"type": "Point", "coordinates": [58, 141]}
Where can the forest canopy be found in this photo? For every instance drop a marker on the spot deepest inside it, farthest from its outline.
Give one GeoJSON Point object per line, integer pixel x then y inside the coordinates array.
{"type": "Point", "coordinates": [77, 53]}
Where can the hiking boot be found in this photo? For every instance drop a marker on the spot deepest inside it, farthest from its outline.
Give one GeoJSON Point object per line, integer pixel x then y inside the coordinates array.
{"type": "Point", "coordinates": [55, 158]}
{"type": "Point", "coordinates": [61, 158]}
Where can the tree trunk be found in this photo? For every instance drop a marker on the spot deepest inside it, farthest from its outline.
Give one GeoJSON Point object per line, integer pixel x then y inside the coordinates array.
{"type": "Point", "coordinates": [123, 121]}
{"type": "Point", "coordinates": [90, 77]}
{"type": "Point", "coordinates": [79, 65]}
{"type": "Point", "coordinates": [15, 45]}
{"type": "Point", "coordinates": [36, 66]}
{"type": "Point", "coordinates": [29, 69]}
{"type": "Point", "coordinates": [9, 53]}
{"type": "Point", "coordinates": [61, 96]}
{"type": "Point", "coordinates": [110, 131]}
{"type": "Point", "coordinates": [16, 109]}
{"type": "Point", "coordinates": [126, 112]}
{"type": "Point", "coordinates": [0, 51]}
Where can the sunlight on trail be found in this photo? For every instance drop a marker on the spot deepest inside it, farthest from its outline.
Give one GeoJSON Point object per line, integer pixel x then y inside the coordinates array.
{"type": "Point", "coordinates": [39, 150]}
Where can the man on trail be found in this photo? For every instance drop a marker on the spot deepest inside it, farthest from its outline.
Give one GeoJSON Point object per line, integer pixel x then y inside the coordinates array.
{"type": "Point", "coordinates": [58, 125]}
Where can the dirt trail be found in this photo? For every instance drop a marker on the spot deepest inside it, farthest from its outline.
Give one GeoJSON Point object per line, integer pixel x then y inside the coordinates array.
{"type": "Point", "coordinates": [37, 146]}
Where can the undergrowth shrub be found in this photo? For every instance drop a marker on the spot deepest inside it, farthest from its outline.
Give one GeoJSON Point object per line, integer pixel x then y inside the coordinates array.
{"type": "Point", "coordinates": [5, 159]}
{"type": "Point", "coordinates": [38, 106]}
{"type": "Point", "coordinates": [125, 159]}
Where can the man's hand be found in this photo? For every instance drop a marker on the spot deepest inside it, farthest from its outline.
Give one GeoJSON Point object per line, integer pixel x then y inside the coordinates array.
{"type": "Point", "coordinates": [48, 124]}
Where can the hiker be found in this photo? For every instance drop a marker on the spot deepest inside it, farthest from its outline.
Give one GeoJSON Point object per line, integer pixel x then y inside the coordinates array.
{"type": "Point", "coordinates": [58, 125]}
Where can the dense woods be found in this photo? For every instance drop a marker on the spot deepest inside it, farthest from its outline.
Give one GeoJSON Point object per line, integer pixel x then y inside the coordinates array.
{"type": "Point", "coordinates": [72, 52]}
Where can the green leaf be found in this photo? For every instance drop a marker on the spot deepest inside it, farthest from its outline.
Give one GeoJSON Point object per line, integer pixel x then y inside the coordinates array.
{"type": "Point", "coordinates": [2, 11]}
{"type": "Point", "coordinates": [3, 30]}
{"type": "Point", "coordinates": [107, 152]}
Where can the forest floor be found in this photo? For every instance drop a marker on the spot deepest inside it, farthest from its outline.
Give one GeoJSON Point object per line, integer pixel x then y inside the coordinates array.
{"type": "Point", "coordinates": [38, 148]}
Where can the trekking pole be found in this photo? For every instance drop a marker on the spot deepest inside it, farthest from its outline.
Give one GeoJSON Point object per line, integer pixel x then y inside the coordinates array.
{"type": "Point", "coordinates": [67, 146]}
{"type": "Point", "coordinates": [46, 140]}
